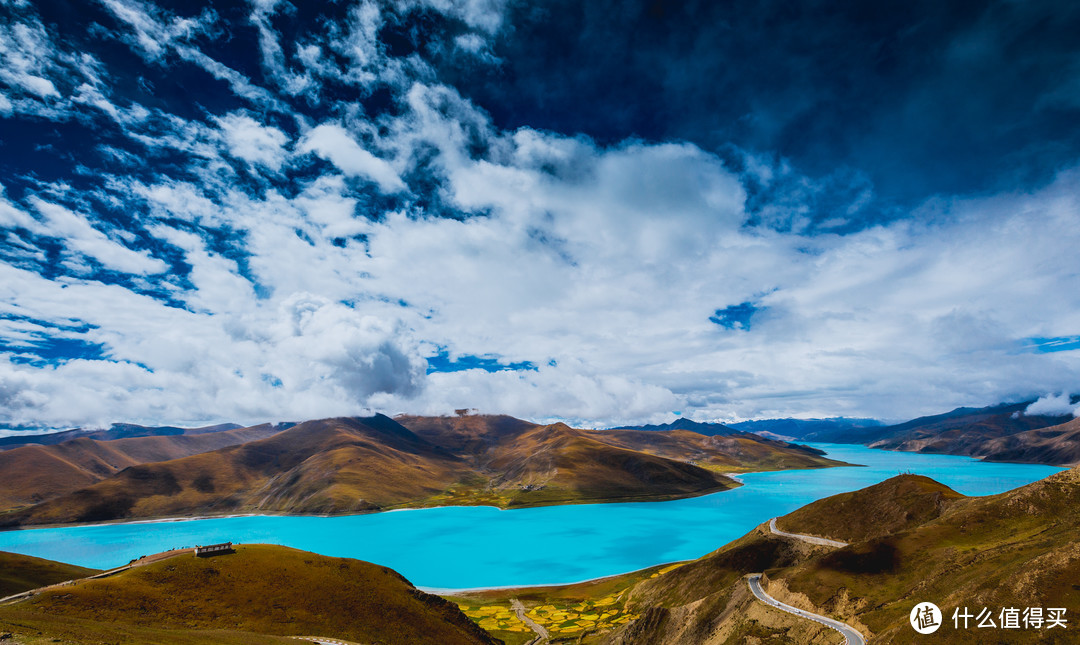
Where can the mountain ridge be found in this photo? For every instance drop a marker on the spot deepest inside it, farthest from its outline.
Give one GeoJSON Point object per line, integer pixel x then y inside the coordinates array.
{"type": "Point", "coordinates": [354, 465]}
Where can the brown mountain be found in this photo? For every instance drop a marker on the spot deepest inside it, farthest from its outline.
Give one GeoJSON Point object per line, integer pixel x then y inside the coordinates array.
{"type": "Point", "coordinates": [358, 465]}
{"type": "Point", "coordinates": [259, 594]}
{"type": "Point", "coordinates": [964, 431]}
{"type": "Point", "coordinates": [326, 466]}
{"type": "Point", "coordinates": [471, 436]}
{"type": "Point", "coordinates": [1056, 445]}
{"type": "Point", "coordinates": [36, 473]}
{"type": "Point", "coordinates": [1015, 549]}
{"type": "Point", "coordinates": [559, 464]}
{"type": "Point", "coordinates": [480, 438]}
{"type": "Point", "coordinates": [735, 452]}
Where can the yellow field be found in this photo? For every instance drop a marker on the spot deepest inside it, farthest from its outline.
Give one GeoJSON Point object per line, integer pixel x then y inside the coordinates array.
{"type": "Point", "coordinates": [559, 619]}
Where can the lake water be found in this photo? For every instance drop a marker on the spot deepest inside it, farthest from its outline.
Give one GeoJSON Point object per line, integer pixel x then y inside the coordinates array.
{"type": "Point", "coordinates": [469, 547]}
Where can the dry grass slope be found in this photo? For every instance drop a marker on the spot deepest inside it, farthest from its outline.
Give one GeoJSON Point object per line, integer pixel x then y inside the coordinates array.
{"type": "Point", "coordinates": [891, 506]}
{"type": "Point", "coordinates": [20, 573]}
{"type": "Point", "coordinates": [36, 473]}
{"type": "Point", "coordinates": [259, 590]}
{"type": "Point", "coordinates": [327, 466]}
{"type": "Point", "coordinates": [1016, 549]}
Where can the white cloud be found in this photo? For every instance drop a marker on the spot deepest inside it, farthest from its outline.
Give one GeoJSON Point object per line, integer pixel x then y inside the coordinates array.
{"type": "Point", "coordinates": [336, 145]}
{"type": "Point", "coordinates": [238, 83]}
{"type": "Point", "coordinates": [154, 32]}
{"type": "Point", "coordinates": [11, 216]}
{"type": "Point", "coordinates": [253, 142]}
{"type": "Point", "coordinates": [1053, 405]}
{"type": "Point", "coordinates": [80, 236]}
{"type": "Point", "coordinates": [219, 287]}
{"type": "Point", "coordinates": [486, 15]}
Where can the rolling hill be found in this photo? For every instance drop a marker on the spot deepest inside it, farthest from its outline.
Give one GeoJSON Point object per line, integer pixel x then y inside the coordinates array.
{"type": "Point", "coordinates": [35, 473]}
{"type": "Point", "coordinates": [252, 596]}
{"type": "Point", "coordinates": [480, 438]}
{"type": "Point", "coordinates": [326, 466]}
{"type": "Point", "coordinates": [557, 463]}
{"type": "Point", "coordinates": [1015, 549]}
{"type": "Point", "coordinates": [20, 573]}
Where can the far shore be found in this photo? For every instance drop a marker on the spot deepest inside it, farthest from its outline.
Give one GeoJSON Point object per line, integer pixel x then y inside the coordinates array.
{"type": "Point", "coordinates": [192, 518]}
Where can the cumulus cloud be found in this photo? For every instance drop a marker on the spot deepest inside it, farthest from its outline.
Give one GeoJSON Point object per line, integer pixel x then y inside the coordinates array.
{"type": "Point", "coordinates": [1053, 405]}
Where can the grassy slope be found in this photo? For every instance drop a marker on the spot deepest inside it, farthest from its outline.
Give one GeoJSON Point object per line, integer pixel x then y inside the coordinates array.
{"type": "Point", "coordinates": [913, 539]}
{"type": "Point", "coordinates": [891, 506]}
{"type": "Point", "coordinates": [564, 464]}
{"type": "Point", "coordinates": [680, 604]}
{"type": "Point", "coordinates": [261, 589]}
{"type": "Point", "coordinates": [22, 572]}
{"type": "Point", "coordinates": [1016, 549]}
{"type": "Point", "coordinates": [36, 473]}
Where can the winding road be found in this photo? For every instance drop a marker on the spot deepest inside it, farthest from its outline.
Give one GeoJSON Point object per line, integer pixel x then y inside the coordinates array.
{"type": "Point", "coordinates": [806, 538]}
{"type": "Point", "coordinates": [541, 633]}
{"type": "Point", "coordinates": [852, 637]}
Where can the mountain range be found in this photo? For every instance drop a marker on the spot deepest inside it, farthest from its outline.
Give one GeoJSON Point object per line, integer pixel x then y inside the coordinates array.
{"type": "Point", "coordinates": [350, 465]}
{"type": "Point", "coordinates": [996, 433]}
{"type": "Point", "coordinates": [1003, 432]}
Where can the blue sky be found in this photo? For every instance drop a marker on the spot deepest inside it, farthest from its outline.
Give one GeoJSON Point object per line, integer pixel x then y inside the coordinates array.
{"type": "Point", "coordinates": [601, 212]}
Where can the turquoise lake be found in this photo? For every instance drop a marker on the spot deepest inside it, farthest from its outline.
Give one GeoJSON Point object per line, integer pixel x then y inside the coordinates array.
{"type": "Point", "coordinates": [469, 547]}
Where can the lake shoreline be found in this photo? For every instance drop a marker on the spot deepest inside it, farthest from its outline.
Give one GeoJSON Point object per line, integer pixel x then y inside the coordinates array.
{"type": "Point", "coordinates": [637, 499]}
